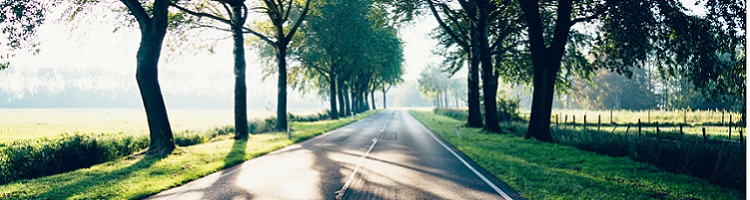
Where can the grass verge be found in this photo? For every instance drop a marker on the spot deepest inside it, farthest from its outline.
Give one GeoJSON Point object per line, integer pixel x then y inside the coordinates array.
{"type": "Point", "coordinates": [541, 170]}
{"type": "Point", "coordinates": [138, 176]}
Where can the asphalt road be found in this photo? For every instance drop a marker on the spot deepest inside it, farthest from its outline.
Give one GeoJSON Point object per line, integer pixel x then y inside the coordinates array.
{"type": "Point", "coordinates": [389, 155]}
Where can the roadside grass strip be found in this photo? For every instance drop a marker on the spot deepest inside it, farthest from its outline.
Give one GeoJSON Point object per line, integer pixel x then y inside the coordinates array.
{"type": "Point", "coordinates": [138, 176]}
{"type": "Point", "coordinates": [540, 170]}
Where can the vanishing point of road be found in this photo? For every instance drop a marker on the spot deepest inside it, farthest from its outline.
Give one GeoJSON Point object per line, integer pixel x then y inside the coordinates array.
{"type": "Point", "coordinates": [389, 155]}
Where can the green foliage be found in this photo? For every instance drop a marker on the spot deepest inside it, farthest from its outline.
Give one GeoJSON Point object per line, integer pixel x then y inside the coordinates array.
{"type": "Point", "coordinates": [705, 50]}
{"type": "Point", "coordinates": [311, 117]}
{"type": "Point", "coordinates": [507, 108]}
{"type": "Point", "coordinates": [19, 21]}
{"type": "Point", "coordinates": [540, 170]}
{"type": "Point", "coordinates": [34, 158]}
{"type": "Point", "coordinates": [609, 90]}
{"type": "Point", "coordinates": [351, 43]}
{"type": "Point", "coordinates": [458, 114]}
{"type": "Point", "coordinates": [721, 163]}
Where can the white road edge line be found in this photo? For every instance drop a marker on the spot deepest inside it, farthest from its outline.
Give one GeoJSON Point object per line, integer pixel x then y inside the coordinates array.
{"type": "Point", "coordinates": [340, 193]}
{"type": "Point", "coordinates": [498, 190]}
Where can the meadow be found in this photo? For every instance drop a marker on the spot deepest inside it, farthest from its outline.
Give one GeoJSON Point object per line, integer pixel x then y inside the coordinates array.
{"type": "Point", "coordinates": [596, 166]}
{"type": "Point", "coordinates": [716, 122]}
{"type": "Point", "coordinates": [17, 124]}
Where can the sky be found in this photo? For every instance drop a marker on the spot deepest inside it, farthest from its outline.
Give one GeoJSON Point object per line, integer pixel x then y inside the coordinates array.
{"type": "Point", "coordinates": [90, 63]}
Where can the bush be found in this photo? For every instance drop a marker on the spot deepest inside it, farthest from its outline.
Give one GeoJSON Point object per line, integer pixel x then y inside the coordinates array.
{"type": "Point", "coordinates": [720, 163]}
{"type": "Point", "coordinates": [507, 108]}
{"type": "Point", "coordinates": [311, 117]}
{"type": "Point", "coordinates": [262, 126]}
{"type": "Point", "coordinates": [41, 157]}
{"type": "Point", "coordinates": [457, 114]}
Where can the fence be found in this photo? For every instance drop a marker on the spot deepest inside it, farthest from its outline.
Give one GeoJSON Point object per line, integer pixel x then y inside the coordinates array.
{"type": "Point", "coordinates": [719, 128]}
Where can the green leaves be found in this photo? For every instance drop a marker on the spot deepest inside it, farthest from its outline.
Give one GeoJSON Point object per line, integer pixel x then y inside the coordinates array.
{"type": "Point", "coordinates": [19, 21]}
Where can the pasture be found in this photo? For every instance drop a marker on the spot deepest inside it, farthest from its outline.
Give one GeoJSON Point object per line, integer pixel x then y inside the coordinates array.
{"type": "Point", "coordinates": [716, 122]}
{"type": "Point", "coordinates": [17, 124]}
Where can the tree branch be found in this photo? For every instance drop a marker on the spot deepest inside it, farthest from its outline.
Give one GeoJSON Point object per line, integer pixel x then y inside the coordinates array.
{"type": "Point", "coordinates": [200, 14]}
{"type": "Point", "coordinates": [599, 11]}
{"type": "Point", "coordinates": [447, 29]}
{"type": "Point", "coordinates": [136, 9]}
{"type": "Point", "coordinates": [288, 11]}
{"type": "Point", "coordinates": [288, 37]}
{"type": "Point", "coordinates": [261, 36]}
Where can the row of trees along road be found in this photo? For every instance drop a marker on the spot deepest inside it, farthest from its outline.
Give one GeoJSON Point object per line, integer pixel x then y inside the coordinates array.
{"type": "Point", "coordinates": [348, 51]}
{"type": "Point", "coordinates": [20, 20]}
{"type": "Point", "coordinates": [628, 34]}
{"type": "Point", "coordinates": [436, 84]}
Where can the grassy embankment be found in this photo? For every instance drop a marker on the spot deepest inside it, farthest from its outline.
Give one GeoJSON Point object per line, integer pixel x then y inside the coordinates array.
{"type": "Point", "coordinates": [541, 170]}
{"type": "Point", "coordinates": [138, 176]}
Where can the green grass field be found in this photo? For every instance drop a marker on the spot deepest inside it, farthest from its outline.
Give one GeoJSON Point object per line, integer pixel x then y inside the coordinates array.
{"type": "Point", "coordinates": [541, 170]}
{"type": "Point", "coordinates": [18, 124]}
{"type": "Point", "coordinates": [138, 176]}
{"type": "Point", "coordinates": [693, 121]}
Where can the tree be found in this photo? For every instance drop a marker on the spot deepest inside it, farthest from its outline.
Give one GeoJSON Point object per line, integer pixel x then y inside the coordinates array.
{"type": "Point", "coordinates": [494, 30]}
{"type": "Point", "coordinates": [284, 28]}
{"type": "Point", "coordinates": [607, 91]}
{"type": "Point", "coordinates": [347, 49]}
{"type": "Point", "coordinates": [236, 15]}
{"type": "Point", "coordinates": [462, 32]}
{"type": "Point", "coordinates": [633, 33]}
{"type": "Point", "coordinates": [433, 83]}
{"type": "Point", "coordinates": [153, 27]}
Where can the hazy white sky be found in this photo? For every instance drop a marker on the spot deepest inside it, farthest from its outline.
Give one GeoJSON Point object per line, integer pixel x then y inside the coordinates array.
{"type": "Point", "coordinates": [93, 57]}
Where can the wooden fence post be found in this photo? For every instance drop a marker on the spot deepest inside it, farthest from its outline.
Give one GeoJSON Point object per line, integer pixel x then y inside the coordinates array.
{"type": "Point", "coordinates": [566, 120]}
{"type": "Point", "coordinates": [722, 117]}
{"type": "Point", "coordinates": [574, 122]}
{"type": "Point", "coordinates": [599, 124]}
{"type": "Point", "coordinates": [681, 133]}
{"type": "Point", "coordinates": [557, 119]}
{"type": "Point", "coordinates": [584, 123]}
{"type": "Point", "coordinates": [704, 135]}
{"type": "Point", "coordinates": [639, 127]}
{"type": "Point", "coordinates": [730, 127]}
{"type": "Point", "coordinates": [657, 128]}
{"type": "Point", "coordinates": [611, 121]}
{"type": "Point", "coordinates": [649, 116]}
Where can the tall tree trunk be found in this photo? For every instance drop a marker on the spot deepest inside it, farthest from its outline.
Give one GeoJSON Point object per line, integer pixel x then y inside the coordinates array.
{"type": "Point", "coordinates": [281, 112]}
{"type": "Point", "coordinates": [332, 90]}
{"type": "Point", "coordinates": [546, 63]}
{"type": "Point", "coordinates": [372, 98]}
{"type": "Point", "coordinates": [489, 82]}
{"type": "Point", "coordinates": [475, 114]}
{"type": "Point", "coordinates": [385, 106]}
{"type": "Point", "coordinates": [153, 31]}
{"type": "Point", "coordinates": [365, 103]}
{"type": "Point", "coordinates": [341, 94]}
{"type": "Point", "coordinates": [240, 89]}
{"type": "Point", "coordinates": [348, 101]}
{"type": "Point", "coordinates": [146, 75]}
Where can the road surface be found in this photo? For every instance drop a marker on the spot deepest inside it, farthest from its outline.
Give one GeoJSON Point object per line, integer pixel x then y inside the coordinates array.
{"type": "Point", "coordinates": [389, 155]}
